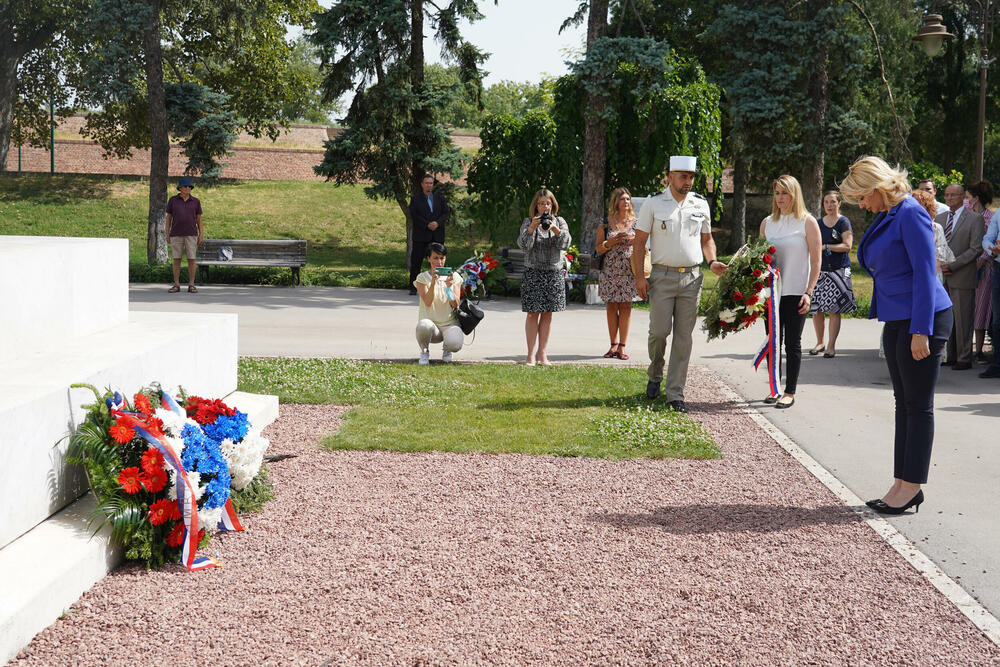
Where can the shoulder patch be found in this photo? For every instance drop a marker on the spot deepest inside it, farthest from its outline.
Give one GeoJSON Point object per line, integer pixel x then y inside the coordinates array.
{"type": "Point", "coordinates": [701, 197]}
{"type": "Point", "coordinates": [655, 194]}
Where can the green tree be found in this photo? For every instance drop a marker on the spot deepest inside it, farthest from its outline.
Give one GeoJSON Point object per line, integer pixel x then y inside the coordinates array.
{"type": "Point", "coordinates": [460, 109]}
{"type": "Point", "coordinates": [513, 98]}
{"type": "Point", "coordinates": [393, 132]}
{"type": "Point", "coordinates": [309, 107]}
{"type": "Point", "coordinates": [33, 35]}
{"type": "Point", "coordinates": [204, 70]}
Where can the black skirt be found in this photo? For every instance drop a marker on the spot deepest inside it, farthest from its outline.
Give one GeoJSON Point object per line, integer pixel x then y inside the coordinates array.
{"type": "Point", "coordinates": [543, 291]}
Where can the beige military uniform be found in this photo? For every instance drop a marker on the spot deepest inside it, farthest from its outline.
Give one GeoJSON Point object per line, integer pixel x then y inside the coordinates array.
{"type": "Point", "coordinates": [675, 231]}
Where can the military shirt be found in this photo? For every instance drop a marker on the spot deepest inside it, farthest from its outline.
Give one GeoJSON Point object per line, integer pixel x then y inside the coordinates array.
{"type": "Point", "coordinates": [674, 228]}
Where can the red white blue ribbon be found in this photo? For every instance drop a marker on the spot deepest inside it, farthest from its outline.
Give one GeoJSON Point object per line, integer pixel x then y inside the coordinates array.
{"type": "Point", "coordinates": [229, 521]}
{"type": "Point", "coordinates": [771, 350]}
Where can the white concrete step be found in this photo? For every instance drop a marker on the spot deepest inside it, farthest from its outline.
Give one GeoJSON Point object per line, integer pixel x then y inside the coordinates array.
{"type": "Point", "coordinates": [54, 289]}
{"type": "Point", "coordinates": [46, 570]}
{"type": "Point", "coordinates": [38, 408]}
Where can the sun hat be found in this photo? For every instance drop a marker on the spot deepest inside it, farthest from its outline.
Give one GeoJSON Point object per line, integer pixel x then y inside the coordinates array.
{"type": "Point", "coordinates": [186, 182]}
{"type": "Point", "coordinates": [683, 163]}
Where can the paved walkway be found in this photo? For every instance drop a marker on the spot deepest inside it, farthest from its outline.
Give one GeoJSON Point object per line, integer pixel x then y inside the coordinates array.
{"type": "Point", "coordinates": [842, 417]}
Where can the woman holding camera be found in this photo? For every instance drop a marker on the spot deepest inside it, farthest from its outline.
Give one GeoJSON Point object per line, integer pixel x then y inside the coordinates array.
{"type": "Point", "coordinates": [617, 284]}
{"type": "Point", "coordinates": [440, 293]}
{"type": "Point", "coordinates": [544, 239]}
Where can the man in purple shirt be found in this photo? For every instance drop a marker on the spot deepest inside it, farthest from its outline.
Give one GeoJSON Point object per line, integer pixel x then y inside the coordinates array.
{"type": "Point", "coordinates": [184, 232]}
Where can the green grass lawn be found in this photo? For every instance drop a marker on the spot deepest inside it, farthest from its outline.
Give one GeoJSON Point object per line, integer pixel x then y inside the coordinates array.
{"type": "Point", "coordinates": [561, 410]}
{"type": "Point", "coordinates": [352, 240]}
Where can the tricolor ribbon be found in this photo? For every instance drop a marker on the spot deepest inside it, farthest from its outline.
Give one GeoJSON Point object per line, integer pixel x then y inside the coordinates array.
{"type": "Point", "coordinates": [185, 493]}
{"type": "Point", "coordinates": [771, 348]}
{"type": "Point", "coordinates": [229, 521]}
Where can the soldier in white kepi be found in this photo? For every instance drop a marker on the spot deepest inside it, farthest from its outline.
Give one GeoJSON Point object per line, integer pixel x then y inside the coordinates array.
{"type": "Point", "coordinates": [678, 224]}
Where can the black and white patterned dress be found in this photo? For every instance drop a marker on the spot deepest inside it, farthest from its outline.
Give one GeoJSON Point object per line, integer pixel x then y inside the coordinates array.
{"type": "Point", "coordinates": [543, 291]}
{"type": "Point", "coordinates": [834, 292]}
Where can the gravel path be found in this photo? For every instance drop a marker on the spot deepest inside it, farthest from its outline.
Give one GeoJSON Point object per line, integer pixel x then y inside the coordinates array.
{"type": "Point", "coordinates": [426, 559]}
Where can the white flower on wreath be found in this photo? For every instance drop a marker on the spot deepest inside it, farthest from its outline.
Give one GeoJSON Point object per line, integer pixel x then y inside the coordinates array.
{"type": "Point", "coordinates": [764, 294]}
{"type": "Point", "coordinates": [727, 316]}
{"type": "Point", "coordinates": [209, 519]}
{"type": "Point", "coordinates": [193, 477]}
{"type": "Point", "coordinates": [244, 458]}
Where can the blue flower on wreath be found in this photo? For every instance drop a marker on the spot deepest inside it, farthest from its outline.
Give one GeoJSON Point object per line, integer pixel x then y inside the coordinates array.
{"type": "Point", "coordinates": [202, 455]}
{"type": "Point", "coordinates": [233, 427]}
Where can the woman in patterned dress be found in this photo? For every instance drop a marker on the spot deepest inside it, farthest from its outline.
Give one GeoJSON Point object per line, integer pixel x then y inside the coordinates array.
{"type": "Point", "coordinates": [980, 196]}
{"type": "Point", "coordinates": [617, 284]}
{"type": "Point", "coordinates": [834, 293]}
{"type": "Point", "coordinates": [544, 238]}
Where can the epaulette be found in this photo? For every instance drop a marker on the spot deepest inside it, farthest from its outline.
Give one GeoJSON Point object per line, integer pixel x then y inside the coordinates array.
{"type": "Point", "coordinates": [702, 197]}
{"type": "Point", "coordinates": [654, 194]}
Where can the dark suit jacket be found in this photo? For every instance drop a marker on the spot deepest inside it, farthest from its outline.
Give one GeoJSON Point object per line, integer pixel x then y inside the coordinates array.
{"type": "Point", "coordinates": [422, 215]}
{"type": "Point", "coordinates": [898, 251]}
{"type": "Point", "coordinates": [967, 244]}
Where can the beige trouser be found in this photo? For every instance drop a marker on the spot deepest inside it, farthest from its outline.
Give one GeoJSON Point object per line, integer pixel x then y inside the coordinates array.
{"type": "Point", "coordinates": [673, 307]}
{"type": "Point", "coordinates": [960, 343]}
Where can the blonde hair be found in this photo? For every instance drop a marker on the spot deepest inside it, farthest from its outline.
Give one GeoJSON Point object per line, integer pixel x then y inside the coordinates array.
{"type": "Point", "coordinates": [616, 196]}
{"type": "Point", "coordinates": [790, 185]}
{"type": "Point", "coordinates": [544, 192]}
{"type": "Point", "coordinates": [872, 173]}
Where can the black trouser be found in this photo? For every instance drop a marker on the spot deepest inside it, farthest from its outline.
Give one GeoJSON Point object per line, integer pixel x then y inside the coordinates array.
{"type": "Point", "coordinates": [417, 254]}
{"type": "Point", "coordinates": [791, 336]}
{"type": "Point", "coordinates": [913, 387]}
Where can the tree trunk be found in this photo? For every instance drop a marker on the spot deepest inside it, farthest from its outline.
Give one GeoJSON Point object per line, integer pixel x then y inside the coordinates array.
{"type": "Point", "coordinates": [8, 98]}
{"type": "Point", "coordinates": [159, 162]}
{"type": "Point", "coordinates": [813, 172]}
{"type": "Point", "coordinates": [738, 231]}
{"type": "Point", "coordinates": [594, 141]}
{"type": "Point", "coordinates": [419, 114]}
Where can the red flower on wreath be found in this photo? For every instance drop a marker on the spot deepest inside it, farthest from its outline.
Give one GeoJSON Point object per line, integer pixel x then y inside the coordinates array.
{"type": "Point", "coordinates": [772, 250]}
{"type": "Point", "coordinates": [751, 300]}
{"type": "Point", "coordinates": [152, 460]}
{"type": "Point", "coordinates": [130, 479]}
{"type": "Point", "coordinates": [758, 286]}
{"type": "Point", "coordinates": [141, 403]}
{"type": "Point", "coordinates": [155, 480]}
{"type": "Point", "coordinates": [206, 411]}
{"type": "Point", "coordinates": [176, 536]}
{"type": "Point", "coordinates": [738, 296]}
{"type": "Point", "coordinates": [162, 511]}
{"type": "Point", "coordinates": [767, 259]}
{"type": "Point", "coordinates": [757, 273]}
{"type": "Point", "coordinates": [569, 257]}
{"type": "Point", "coordinates": [121, 433]}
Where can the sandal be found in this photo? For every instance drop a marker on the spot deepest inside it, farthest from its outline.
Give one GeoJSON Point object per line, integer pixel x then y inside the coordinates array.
{"type": "Point", "coordinates": [175, 288]}
{"type": "Point", "coordinates": [611, 354]}
{"type": "Point", "coordinates": [192, 288]}
{"type": "Point", "coordinates": [621, 353]}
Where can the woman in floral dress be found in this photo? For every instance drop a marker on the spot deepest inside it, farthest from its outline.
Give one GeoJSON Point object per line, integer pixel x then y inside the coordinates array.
{"type": "Point", "coordinates": [617, 284]}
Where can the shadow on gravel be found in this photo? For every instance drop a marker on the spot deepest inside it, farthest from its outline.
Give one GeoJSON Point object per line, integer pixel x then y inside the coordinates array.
{"type": "Point", "coordinates": [707, 519]}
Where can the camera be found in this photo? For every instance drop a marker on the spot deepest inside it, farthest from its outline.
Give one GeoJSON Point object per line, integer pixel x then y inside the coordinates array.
{"type": "Point", "coordinates": [545, 221]}
{"type": "Point", "coordinates": [443, 271]}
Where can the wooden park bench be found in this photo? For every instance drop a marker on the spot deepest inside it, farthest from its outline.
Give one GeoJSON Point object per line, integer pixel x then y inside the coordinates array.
{"type": "Point", "coordinates": [512, 260]}
{"type": "Point", "coordinates": [289, 253]}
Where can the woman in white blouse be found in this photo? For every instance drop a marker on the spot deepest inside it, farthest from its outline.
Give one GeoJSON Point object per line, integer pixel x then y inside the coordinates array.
{"type": "Point", "coordinates": [796, 238]}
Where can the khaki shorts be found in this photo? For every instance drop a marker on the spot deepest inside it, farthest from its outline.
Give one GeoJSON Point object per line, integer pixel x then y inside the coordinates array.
{"type": "Point", "coordinates": [184, 246]}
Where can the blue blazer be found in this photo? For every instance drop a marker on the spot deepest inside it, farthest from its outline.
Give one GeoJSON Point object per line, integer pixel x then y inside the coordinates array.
{"type": "Point", "coordinates": [898, 252]}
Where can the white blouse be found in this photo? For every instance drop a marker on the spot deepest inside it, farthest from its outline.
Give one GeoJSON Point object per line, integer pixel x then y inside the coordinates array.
{"type": "Point", "coordinates": [788, 236]}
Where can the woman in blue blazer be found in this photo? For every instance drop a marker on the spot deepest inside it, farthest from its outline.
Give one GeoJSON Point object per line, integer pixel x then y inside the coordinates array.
{"type": "Point", "coordinates": [898, 251]}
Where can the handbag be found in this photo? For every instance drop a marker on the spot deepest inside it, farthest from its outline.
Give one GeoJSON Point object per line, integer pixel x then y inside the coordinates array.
{"type": "Point", "coordinates": [598, 261]}
{"type": "Point", "coordinates": [469, 316]}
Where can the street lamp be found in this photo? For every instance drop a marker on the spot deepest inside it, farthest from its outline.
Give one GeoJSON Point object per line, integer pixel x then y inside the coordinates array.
{"type": "Point", "coordinates": [984, 33]}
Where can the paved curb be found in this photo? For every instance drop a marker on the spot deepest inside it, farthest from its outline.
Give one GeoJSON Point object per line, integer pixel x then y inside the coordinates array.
{"type": "Point", "coordinates": [975, 612]}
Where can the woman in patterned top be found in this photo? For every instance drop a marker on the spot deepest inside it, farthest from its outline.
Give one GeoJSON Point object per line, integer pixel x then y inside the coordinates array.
{"type": "Point", "coordinates": [617, 284]}
{"type": "Point", "coordinates": [834, 293]}
{"type": "Point", "coordinates": [544, 239]}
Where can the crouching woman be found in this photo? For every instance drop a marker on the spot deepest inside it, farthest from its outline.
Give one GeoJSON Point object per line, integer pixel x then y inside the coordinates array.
{"type": "Point", "coordinates": [439, 297]}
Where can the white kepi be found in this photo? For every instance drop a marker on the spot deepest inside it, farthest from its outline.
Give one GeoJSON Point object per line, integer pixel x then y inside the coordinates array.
{"type": "Point", "coordinates": [683, 163]}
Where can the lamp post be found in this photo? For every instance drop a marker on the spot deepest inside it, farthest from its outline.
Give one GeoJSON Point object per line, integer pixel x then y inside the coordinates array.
{"type": "Point", "coordinates": [932, 34]}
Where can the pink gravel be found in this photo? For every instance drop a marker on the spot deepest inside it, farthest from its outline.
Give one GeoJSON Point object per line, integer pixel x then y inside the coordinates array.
{"type": "Point", "coordinates": [420, 559]}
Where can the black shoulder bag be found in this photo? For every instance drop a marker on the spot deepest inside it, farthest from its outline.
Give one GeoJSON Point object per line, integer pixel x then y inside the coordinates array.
{"type": "Point", "coordinates": [469, 315]}
{"type": "Point", "coordinates": [598, 260]}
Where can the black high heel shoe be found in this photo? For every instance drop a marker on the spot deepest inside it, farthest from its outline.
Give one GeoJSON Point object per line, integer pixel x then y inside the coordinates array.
{"type": "Point", "coordinates": [882, 507]}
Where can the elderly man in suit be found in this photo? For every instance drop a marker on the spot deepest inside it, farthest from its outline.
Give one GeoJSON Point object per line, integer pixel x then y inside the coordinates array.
{"type": "Point", "coordinates": [429, 211]}
{"type": "Point", "coordinates": [964, 231]}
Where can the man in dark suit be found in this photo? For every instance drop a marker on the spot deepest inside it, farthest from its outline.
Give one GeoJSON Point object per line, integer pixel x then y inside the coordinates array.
{"type": "Point", "coordinates": [429, 211]}
{"type": "Point", "coordinates": [964, 230]}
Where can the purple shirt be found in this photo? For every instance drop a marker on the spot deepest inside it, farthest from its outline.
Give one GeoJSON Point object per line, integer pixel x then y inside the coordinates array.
{"type": "Point", "coordinates": [185, 221]}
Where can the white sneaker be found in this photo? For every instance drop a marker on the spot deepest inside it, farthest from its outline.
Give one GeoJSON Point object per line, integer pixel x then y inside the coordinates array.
{"type": "Point", "coordinates": [446, 356]}
{"type": "Point", "coordinates": [425, 358]}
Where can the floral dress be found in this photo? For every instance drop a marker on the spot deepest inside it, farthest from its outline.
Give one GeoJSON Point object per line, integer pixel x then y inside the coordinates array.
{"type": "Point", "coordinates": [616, 282]}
